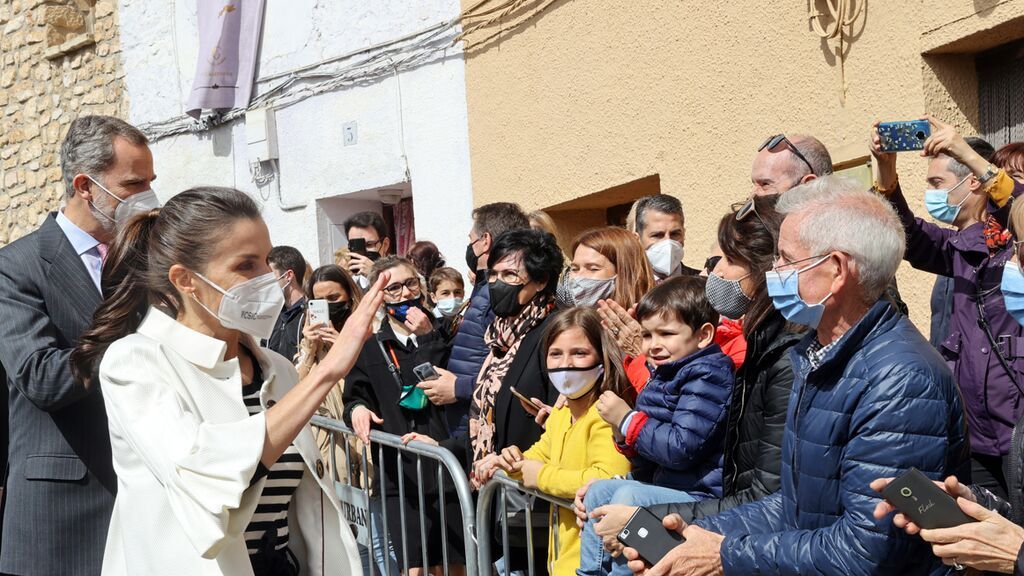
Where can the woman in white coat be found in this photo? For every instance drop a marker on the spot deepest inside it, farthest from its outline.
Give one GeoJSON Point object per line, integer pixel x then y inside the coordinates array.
{"type": "Point", "coordinates": [218, 469]}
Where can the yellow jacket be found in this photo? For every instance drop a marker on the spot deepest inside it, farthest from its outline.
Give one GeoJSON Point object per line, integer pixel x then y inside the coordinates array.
{"type": "Point", "coordinates": [573, 454]}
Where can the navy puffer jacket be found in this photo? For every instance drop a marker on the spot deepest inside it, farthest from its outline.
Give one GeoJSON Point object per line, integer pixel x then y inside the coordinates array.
{"type": "Point", "coordinates": [686, 405]}
{"type": "Point", "coordinates": [881, 401]}
{"type": "Point", "coordinates": [468, 353]}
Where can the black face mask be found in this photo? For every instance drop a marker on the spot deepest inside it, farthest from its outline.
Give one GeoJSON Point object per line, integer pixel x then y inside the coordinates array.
{"type": "Point", "coordinates": [471, 257]}
{"type": "Point", "coordinates": [400, 310]}
{"type": "Point", "coordinates": [505, 299]}
{"type": "Point", "coordinates": [339, 312]}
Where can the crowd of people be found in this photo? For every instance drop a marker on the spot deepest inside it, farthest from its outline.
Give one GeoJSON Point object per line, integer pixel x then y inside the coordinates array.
{"type": "Point", "coordinates": [164, 362]}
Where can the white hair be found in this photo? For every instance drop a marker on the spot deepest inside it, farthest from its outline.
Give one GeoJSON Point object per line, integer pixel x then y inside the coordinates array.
{"type": "Point", "coordinates": [840, 215]}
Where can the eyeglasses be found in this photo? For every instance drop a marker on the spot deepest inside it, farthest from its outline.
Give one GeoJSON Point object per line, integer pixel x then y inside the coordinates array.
{"type": "Point", "coordinates": [395, 289]}
{"type": "Point", "coordinates": [711, 262]}
{"type": "Point", "coordinates": [773, 141]}
{"type": "Point", "coordinates": [511, 277]}
{"type": "Point", "coordinates": [790, 267]}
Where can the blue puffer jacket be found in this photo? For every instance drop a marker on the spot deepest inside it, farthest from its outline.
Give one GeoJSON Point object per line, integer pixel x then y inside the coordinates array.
{"type": "Point", "coordinates": [881, 401]}
{"type": "Point", "coordinates": [468, 353]}
{"type": "Point", "coordinates": [678, 433]}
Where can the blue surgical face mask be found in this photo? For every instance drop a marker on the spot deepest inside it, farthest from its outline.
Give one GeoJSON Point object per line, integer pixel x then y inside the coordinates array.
{"type": "Point", "coordinates": [937, 203]}
{"type": "Point", "coordinates": [447, 307]}
{"type": "Point", "coordinates": [784, 290]}
{"type": "Point", "coordinates": [1013, 291]}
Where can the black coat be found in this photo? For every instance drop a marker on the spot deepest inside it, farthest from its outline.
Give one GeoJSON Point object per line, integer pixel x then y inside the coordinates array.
{"type": "Point", "coordinates": [757, 419]}
{"type": "Point", "coordinates": [514, 426]}
{"type": "Point", "coordinates": [1013, 507]}
{"type": "Point", "coordinates": [371, 384]}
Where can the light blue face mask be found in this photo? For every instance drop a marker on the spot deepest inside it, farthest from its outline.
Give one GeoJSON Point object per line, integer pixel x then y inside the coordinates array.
{"type": "Point", "coordinates": [937, 203]}
{"type": "Point", "coordinates": [784, 290]}
{"type": "Point", "coordinates": [447, 307]}
{"type": "Point", "coordinates": [1013, 291]}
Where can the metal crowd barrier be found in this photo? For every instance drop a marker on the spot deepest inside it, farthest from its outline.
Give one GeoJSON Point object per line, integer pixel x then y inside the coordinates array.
{"type": "Point", "coordinates": [500, 483]}
{"type": "Point", "coordinates": [360, 511]}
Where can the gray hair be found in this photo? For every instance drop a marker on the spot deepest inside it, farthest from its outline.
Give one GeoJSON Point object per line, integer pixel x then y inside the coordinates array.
{"type": "Point", "coordinates": [88, 147]}
{"type": "Point", "coordinates": [840, 215]}
{"type": "Point", "coordinates": [659, 203]}
{"type": "Point", "coordinates": [979, 145]}
{"type": "Point", "coordinates": [815, 152]}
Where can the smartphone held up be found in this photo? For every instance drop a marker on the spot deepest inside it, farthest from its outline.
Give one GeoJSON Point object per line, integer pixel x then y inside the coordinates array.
{"type": "Point", "coordinates": [904, 136]}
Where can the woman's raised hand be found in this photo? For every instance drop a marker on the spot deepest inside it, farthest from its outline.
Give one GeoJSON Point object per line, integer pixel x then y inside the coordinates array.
{"type": "Point", "coordinates": [357, 329]}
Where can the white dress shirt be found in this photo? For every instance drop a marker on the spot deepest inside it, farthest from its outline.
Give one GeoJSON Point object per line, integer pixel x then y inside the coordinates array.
{"type": "Point", "coordinates": [85, 246]}
{"type": "Point", "coordinates": [185, 450]}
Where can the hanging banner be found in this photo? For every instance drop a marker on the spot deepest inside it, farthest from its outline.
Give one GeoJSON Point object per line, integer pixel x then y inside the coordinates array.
{"type": "Point", "coordinates": [405, 225]}
{"type": "Point", "coordinates": [229, 39]}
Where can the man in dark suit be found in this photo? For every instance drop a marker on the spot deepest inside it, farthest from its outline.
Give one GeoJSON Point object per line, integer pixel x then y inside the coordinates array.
{"type": "Point", "coordinates": [60, 483]}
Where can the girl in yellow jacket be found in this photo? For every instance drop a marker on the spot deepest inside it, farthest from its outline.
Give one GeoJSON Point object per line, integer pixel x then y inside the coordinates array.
{"type": "Point", "coordinates": [582, 362]}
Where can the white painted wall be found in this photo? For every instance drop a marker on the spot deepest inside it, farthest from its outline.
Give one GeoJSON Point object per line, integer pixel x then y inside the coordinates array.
{"type": "Point", "coordinates": [159, 48]}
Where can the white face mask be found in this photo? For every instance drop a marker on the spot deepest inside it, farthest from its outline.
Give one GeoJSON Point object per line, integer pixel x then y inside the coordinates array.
{"type": "Point", "coordinates": [251, 306]}
{"type": "Point", "coordinates": [574, 383]}
{"type": "Point", "coordinates": [126, 208]}
{"type": "Point", "coordinates": [665, 256]}
{"type": "Point", "coordinates": [447, 307]}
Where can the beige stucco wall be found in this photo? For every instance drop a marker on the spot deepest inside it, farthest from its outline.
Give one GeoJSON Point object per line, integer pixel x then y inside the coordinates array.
{"type": "Point", "coordinates": [590, 94]}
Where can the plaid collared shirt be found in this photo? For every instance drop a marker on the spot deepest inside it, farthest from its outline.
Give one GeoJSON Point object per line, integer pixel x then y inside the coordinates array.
{"type": "Point", "coordinates": [816, 352]}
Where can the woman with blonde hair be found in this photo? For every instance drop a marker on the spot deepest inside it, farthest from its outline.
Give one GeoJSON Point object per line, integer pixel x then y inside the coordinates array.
{"type": "Point", "coordinates": [607, 263]}
{"type": "Point", "coordinates": [541, 220]}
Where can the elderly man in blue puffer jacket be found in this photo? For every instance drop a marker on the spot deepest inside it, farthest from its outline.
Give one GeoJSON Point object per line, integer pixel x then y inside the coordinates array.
{"type": "Point", "coordinates": [870, 399]}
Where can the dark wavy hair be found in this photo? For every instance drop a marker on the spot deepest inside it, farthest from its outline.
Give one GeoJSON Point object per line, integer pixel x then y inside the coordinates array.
{"type": "Point", "coordinates": [184, 231]}
{"type": "Point", "coordinates": [751, 242]}
{"type": "Point", "coordinates": [542, 258]}
{"type": "Point", "coordinates": [426, 257]}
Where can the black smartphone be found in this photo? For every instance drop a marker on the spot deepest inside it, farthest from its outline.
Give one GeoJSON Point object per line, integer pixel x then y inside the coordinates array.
{"type": "Point", "coordinates": [922, 501]}
{"type": "Point", "coordinates": [648, 536]}
{"type": "Point", "coordinates": [357, 245]}
{"type": "Point", "coordinates": [426, 372]}
{"type": "Point", "coordinates": [523, 398]}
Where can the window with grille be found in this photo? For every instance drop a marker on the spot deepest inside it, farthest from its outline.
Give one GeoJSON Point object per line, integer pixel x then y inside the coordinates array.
{"type": "Point", "coordinates": [1001, 94]}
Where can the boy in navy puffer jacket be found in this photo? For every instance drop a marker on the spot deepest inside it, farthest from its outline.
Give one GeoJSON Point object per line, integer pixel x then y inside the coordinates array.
{"type": "Point", "coordinates": [676, 432]}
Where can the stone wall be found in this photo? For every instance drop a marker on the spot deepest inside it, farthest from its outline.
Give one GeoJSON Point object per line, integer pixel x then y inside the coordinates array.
{"type": "Point", "coordinates": [58, 59]}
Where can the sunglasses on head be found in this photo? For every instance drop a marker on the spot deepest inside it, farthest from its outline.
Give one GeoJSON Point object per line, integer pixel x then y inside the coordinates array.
{"type": "Point", "coordinates": [711, 262]}
{"type": "Point", "coordinates": [749, 208]}
{"type": "Point", "coordinates": [773, 142]}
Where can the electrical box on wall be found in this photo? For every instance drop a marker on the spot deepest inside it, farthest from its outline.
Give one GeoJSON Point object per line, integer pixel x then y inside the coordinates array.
{"type": "Point", "coordinates": [260, 135]}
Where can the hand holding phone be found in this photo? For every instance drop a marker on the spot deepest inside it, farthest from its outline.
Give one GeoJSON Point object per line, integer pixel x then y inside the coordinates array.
{"type": "Point", "coordinates": [319, 312]}
{"type": "Point", "coordinates": [646, 534]}
{"type": "Point", "coordinates": [924, 503]}
{"type": "Point", "coordinates": [426, 372]}
{"type": "Point", "coordinates": [519, 396]}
